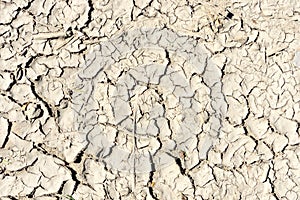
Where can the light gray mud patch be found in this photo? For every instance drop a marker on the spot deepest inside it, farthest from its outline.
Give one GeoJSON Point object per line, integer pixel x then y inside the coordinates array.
{"type": "Point", "coordinates": [297, 59]}
{"type": "Point", "coordinates": [146, 97]}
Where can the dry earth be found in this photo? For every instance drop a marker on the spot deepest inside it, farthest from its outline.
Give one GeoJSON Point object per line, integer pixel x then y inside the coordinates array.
{"type": "Point", "coordinates": [149, 99]}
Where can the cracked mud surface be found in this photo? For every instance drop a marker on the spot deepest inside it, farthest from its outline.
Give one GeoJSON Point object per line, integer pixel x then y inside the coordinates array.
{"type": "Point", "coordinates": [149, 99]}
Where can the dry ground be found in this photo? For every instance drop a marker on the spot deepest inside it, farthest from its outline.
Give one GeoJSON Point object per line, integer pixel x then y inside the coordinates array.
{"type": "Point", "coordinates": [159, 99]}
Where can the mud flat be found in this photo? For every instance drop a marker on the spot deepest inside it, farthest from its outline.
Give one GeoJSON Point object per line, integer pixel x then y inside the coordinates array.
{"type": "Point", "coordinates": [149, 99]}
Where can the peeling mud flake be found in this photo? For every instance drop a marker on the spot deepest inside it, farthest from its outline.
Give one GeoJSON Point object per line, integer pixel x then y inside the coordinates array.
{"type": "Point", "coordinates": [10, 10]}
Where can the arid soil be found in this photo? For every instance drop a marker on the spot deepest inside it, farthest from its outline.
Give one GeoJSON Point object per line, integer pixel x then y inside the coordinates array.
{"type": "Point", "coordinates": [149, 99]}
